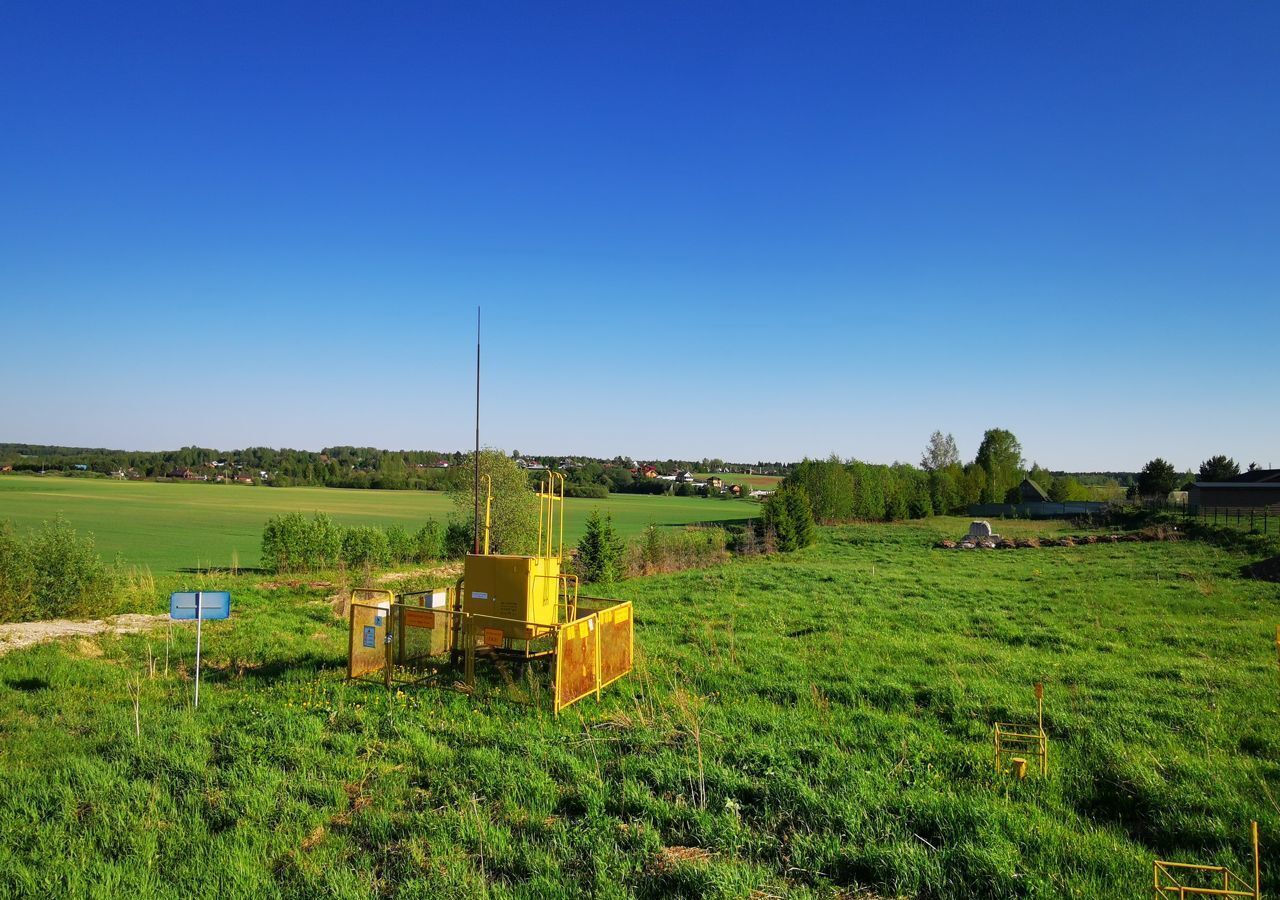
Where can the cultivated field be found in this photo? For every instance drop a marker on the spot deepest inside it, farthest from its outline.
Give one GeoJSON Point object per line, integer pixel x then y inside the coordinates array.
{"type": "Point", "coordinates": [799, 725]}
{"type": "Point", "coordinates": [171, 527]}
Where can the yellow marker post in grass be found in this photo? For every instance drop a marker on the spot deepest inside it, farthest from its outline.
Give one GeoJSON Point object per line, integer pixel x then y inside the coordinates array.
{"type": "Point", "coordinates": [1010, 739]}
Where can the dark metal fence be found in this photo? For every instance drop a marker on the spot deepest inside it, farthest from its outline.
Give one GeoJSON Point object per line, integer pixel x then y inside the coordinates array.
{"type": "Point", "coordinates": [1258, 519]}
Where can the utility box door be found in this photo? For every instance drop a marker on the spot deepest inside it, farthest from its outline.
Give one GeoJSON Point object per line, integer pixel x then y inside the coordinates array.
{"type": "Point", "coordinates": [521, 588]}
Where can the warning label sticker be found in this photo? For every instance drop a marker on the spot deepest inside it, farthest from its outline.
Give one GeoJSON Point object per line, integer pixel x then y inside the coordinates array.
{"type": "Point", "coordinates": [418, 618]}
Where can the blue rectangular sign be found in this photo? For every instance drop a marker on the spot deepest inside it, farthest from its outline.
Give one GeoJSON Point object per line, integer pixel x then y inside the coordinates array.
{"type": "Point", "coordinates": [213, 605]}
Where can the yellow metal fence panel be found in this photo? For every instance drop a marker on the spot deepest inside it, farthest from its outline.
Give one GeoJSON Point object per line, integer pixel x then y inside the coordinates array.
{"type": "Point", "coordinates": [577, 661]}
{"type": "Point", "coordinates": [422, 634]}
{"type": "Point", "coordinates": [617, 634]}
{"type": "Point", "coordinates": [368, 652]}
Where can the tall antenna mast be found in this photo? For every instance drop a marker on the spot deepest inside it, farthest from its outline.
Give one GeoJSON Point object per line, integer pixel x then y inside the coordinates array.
{"type": "Point", "coordinates": [475, 528]}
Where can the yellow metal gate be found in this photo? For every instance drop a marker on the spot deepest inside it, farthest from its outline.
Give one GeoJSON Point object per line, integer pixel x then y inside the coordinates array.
{"type": "Point", "coordinates": [577, 661]}
{"type": "Point", "coordinates": [368, 653]}
{"type": "Point", "coordinates": [617, 642]}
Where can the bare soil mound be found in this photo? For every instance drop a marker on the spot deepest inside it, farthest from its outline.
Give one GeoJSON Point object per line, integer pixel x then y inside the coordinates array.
{"type": "Point", "coordinates": [24, 634]}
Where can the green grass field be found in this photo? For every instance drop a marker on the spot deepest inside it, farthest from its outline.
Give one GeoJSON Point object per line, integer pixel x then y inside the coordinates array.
{"type": "Point", "coordinates": [170, 527]}
{"type": "Point", "coordinates": [804, 726]}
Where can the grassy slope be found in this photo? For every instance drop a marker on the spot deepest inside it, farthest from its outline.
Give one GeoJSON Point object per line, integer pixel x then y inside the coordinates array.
{"type": "Point", "coordinates": [840, 700]}
{"type": "Point", "coordinates": [177, 526]}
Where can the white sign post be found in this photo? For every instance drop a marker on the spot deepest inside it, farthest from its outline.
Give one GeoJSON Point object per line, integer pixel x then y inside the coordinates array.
{"type": "Point", "coordinates": [199, 605]}
{"type": "Point", "coordinates": [199, 622]}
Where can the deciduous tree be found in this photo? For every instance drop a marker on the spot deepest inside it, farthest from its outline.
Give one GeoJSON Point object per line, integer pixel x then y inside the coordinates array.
{"type": "Point", "coordinates": [939, 453]}
{"type": "Point", "coordinates": [1000, 457]}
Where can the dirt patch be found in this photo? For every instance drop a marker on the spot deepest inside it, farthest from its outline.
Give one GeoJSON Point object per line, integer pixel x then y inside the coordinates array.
{"type": "Point", "coordinates": [451, 571]}
{"type": "Point", "coordinates": [670, 857]}
{"type": "Point", "coordinates": [297, 583]}
{"type": "Point", "coordinates": [26, 634]}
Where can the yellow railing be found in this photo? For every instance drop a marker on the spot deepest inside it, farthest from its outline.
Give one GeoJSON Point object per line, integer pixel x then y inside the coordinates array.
{"type": "Point", "coordinates": [1166, 881]}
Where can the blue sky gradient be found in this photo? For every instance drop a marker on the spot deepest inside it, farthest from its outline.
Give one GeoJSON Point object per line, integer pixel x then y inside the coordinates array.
{"type": "Point", "coordinates": [739, 230]}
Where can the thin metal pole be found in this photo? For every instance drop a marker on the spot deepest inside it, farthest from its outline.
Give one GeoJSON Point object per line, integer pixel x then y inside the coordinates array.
{"type": "Point", "coordinates": [476, 520]}
{"type": "Point", "coordinates": [1257, 866]}
{"type": "Point", "coordinates": [199, 623]}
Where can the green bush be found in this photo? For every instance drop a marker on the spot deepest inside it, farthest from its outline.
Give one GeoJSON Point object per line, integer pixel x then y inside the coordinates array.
{"type": "Point", "coordinates": [675, 549]}
{"type": "Point", "coordinates": [428, 542]}
{"type": "Point", "coordinates": [294, 543]}
{"type": "Point", "coordinates": [400, 544]}
{"type": "Point", "coordinates": [365, 545]}
{"type": "Point", "coordinates": [458, 539]}
{"type": "Point", "coordinates": [55, 572]}
{"type": "Point", "coordinates": [17, 579]}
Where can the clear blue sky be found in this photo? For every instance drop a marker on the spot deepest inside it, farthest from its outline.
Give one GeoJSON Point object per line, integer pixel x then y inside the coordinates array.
{"type": "Point", "coordinates": [739, 230]}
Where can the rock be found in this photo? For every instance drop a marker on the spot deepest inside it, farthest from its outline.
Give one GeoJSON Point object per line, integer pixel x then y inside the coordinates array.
{"type": "Point", "coordinates": [979, 530]}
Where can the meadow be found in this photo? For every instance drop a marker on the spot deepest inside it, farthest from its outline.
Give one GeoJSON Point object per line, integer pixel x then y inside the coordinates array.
{"type": "Point", "coordinates": [810, 725]}
{"type": "Point", "coordinates": [174, 526]}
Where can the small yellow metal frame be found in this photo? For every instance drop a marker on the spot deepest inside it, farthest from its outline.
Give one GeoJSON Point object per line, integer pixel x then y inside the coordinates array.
{"type": "Point", "coordinates": [1166, 878]}
{"type": "Point", "coordinates": [1013, 741]}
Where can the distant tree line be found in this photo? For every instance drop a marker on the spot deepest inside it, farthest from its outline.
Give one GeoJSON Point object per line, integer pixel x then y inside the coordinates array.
{"type": "Point", "coordinates": [358, 467]}
{"type": "Point", "coordinates": [844, 490]}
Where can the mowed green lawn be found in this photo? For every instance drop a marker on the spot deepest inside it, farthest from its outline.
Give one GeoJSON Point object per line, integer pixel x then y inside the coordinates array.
{"type": "Point", "coordinates": [813, 725]}
{"type": "Point", "coordinates": [179, 526]}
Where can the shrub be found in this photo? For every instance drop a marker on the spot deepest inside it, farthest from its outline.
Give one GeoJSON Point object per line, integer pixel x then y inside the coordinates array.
{"type": "Point", "coordinates": [17, 580]}
{"type": "Point", "coordinates": [55, 572]}
{"type": "Point", "coordinates": [673, 549]}
{"type": "Point", "coordinates": [293, 543]}
{"type": "Point", "coordinates": [458, 539]}
{"type": "Point", "coordinates": [400, 545]}
{"type": "Point", "coordinates": [428, 542]}
{"type": "Point", "coordinates": [600, 550]}
{"type": "Point", "coordinates": [364, 545]}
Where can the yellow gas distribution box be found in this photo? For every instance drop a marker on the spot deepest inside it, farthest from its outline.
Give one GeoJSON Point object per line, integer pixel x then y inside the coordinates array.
{"type": "Point", "coordinates": [513, 587]}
